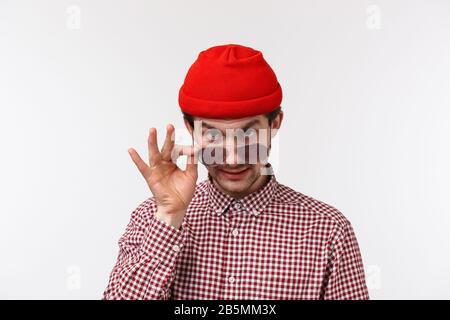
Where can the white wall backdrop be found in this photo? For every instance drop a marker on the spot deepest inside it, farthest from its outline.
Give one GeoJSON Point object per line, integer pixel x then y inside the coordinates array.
{"type": "Point", "coordinates": [366, 98]}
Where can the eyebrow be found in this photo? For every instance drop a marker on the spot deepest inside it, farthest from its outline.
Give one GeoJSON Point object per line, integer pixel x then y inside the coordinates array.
{"type": "Point", "coordinates": [246, 126]}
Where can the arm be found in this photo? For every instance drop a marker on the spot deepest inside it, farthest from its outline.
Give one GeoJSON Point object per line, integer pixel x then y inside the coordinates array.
{"type": "Point", "coordinates": [345, 278]}
{"type": "Point", "coordinates": [154, 236]}
{"type": "Point", "coordinates": [148, 251]}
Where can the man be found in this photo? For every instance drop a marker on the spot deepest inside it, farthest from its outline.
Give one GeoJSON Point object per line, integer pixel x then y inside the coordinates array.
{"type": "Point", "coordinates": [240, 234]}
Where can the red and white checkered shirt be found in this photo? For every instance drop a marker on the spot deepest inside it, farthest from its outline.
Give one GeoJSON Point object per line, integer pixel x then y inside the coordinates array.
{"type": "Point", "coordinates": [275, 243]}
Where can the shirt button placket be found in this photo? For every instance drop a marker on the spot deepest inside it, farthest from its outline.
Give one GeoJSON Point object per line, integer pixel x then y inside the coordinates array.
{"type": "Point", "coordinates": [232, 245]}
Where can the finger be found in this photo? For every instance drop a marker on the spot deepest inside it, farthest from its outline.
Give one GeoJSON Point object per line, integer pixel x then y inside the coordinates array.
{"type": "Point", "coordinates": [180, 150]}
{"type": "Point", "coordinates": [140, 164]}
{"type": "Point", "coordinates": [168, 143]}
{"type": "Point", "coordinates": [192, 158]}
{"type": "Point", "coordinates": [177, 151]}
{"type": "Point", "coordinates": [153, 151]}
{"type": "Point", "coordinates": [192, 165]}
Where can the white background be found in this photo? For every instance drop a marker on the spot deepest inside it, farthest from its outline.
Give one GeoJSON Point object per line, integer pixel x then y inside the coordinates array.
{"type": "Point", "coordinates": [366, 101]}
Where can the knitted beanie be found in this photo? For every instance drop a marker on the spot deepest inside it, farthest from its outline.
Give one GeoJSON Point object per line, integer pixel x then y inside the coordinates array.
{"type": "Point", "coordinates": [229, 81]}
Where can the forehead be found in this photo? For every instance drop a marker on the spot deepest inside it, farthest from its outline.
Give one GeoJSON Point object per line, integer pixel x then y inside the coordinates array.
{"type": "Point", "coordinates": [232, 123]}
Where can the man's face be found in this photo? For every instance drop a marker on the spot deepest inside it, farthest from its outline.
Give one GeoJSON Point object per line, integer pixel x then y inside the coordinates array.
{"type": "Point", "coordinates": [233, 136]}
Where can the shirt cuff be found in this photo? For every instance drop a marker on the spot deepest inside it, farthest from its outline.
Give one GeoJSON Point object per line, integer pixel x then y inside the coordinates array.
{"type": "Point", "coordinates": [163, 241]}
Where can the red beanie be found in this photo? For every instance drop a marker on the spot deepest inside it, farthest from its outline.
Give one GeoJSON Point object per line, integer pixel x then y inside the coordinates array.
{"type": "Point", "coordinates": [229, 81]}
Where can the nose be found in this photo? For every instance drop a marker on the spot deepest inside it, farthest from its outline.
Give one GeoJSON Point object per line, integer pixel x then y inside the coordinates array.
{"type": "Point", "coordinates": [234, 153]}
{"type": "Point", "coordinates": [231, 158]}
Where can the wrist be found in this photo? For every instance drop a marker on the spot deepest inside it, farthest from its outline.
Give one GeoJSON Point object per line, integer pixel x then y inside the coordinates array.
{"type": "Point", "coordinates": [174, 219]}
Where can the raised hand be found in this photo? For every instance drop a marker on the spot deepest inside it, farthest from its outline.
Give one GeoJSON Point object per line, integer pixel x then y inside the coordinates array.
{"type": "Point", "coordinates": [172, 187]}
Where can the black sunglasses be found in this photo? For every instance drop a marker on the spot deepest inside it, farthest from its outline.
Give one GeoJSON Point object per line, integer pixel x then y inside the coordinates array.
{"type": "Point", "coordinates": [246, 154]}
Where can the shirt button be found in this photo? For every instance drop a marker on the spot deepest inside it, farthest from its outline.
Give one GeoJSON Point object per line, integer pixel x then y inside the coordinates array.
{"type": "Point", "coordinates": [237, 205]}
{"type": "Point", "coordinates": [176, 248]}
{"type": "Point", "coordinates": [235, 232]}
{"type": "Point", "coordinates": [231, 279]}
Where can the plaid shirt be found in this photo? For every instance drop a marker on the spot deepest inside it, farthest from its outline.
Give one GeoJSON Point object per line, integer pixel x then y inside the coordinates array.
{"type": "Point", "coordinates": [275, 243]}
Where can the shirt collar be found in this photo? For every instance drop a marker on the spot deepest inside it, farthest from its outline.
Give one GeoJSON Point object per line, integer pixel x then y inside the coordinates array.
{"type": "Point", "coordinates": [253, 203]}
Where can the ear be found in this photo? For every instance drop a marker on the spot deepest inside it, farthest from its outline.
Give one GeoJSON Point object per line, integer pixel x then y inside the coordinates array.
{"type": "Point", "coordinates": [276, 123]}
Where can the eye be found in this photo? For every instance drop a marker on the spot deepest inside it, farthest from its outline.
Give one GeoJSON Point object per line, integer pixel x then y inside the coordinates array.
{"type": "Point", "coordinates": [250, 133]}
{"type": "Point", "coordinates": [212, 134]}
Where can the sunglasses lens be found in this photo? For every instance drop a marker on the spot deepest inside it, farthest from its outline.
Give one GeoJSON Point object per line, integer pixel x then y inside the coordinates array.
{"type": "Point", "coordinates": [211, 156]}
{"type": "Point", "coordinates": [253, 154]}
{"type": "Point", "coordinates": [247, 154]}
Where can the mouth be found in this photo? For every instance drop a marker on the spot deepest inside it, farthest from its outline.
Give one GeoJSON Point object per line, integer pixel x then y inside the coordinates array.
{"type": "Point", "coordinates": [234, 174]}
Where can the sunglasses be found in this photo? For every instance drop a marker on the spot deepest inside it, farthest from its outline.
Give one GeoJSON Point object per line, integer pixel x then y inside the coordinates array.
{"type": "Point", "coordinates": [246, 154]}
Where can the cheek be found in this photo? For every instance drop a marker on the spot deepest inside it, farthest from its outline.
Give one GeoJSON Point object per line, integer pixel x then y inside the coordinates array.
{"type": "Point", "coordinates": [259, 170]}
{"type": "Point", "coordinates": [256, 170]}
{"type": "Point", "coordinates": [212, 171]}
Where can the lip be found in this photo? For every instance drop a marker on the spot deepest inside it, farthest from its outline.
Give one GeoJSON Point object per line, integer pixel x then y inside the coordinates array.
{"type": "Point", "coordinates": [234, 175]}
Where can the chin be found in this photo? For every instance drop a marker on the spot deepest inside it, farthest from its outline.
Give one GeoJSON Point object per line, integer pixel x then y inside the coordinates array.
{"type": "Point", "coordinates": [234, 186]}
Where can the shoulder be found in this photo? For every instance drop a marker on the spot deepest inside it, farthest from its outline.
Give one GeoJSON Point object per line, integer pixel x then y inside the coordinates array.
{"type": "Point", "coordinates": [201, 190]}
{"type": "Point", "coordinates": [309, 206]}
{"type": "Point", "coordinates": [144, 212]}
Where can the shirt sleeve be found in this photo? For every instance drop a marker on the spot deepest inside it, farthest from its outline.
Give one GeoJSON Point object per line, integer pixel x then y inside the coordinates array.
{"type": "Point", "coordinates": [345, 278]}
{"type": "Point", "coordinates": [148, 251]}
